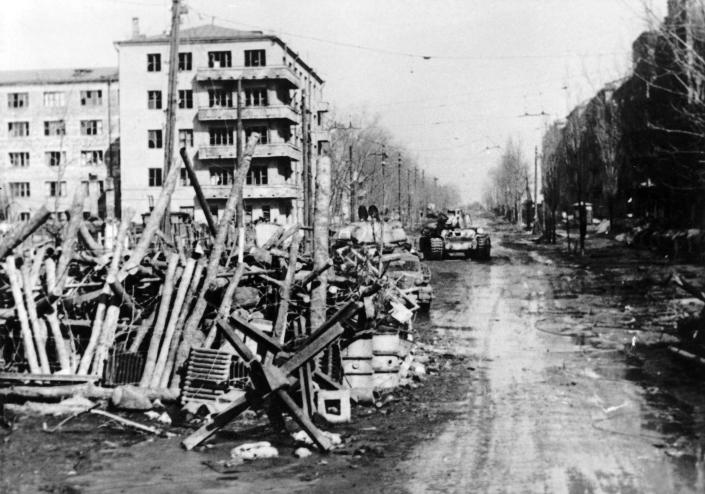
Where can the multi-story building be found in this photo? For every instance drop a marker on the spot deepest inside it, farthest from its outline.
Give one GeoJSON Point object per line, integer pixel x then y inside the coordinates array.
{"type": "Point", "coordinates": [277, 88]}
{"type": "Point", "coordinates": [58, 132]}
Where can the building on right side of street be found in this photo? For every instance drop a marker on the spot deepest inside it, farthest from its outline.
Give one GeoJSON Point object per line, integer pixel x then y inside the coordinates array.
{"type": "Point", "coordinates": [280, 93]}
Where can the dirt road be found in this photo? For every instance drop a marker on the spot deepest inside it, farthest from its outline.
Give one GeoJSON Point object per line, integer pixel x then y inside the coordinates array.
{"type": "Point", "coordinates": [546, 413]}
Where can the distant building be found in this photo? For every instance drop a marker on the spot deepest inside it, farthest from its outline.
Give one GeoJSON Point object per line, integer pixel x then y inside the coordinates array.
{"type": "Point", "coordinates": [211, 60]}
{"type": "Point", "coordinates": [58, 132]}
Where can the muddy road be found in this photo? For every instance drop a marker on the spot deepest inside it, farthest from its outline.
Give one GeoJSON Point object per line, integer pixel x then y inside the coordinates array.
{"type": "Point", "coordinates": [554, 405]}
{"type": "Point", "coordinates": [545, 375]}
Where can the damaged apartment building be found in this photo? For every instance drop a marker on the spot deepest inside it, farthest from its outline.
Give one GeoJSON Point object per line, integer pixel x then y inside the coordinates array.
{"type": "Point", "coordinates": [67, 128]}
{"type": "Point", "coordinates": [281, 99]}
{"type": "Point", "coordinates": [59, 132]}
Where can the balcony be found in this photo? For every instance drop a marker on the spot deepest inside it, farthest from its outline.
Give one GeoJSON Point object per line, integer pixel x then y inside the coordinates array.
{"type": "Point", "coordinates": [279, 112]}
{"type": "Point", "coordinates": [276, 150]}
{"type": "Point", "coordinates": [281, 72]}
{"type": "Point", "coordinates": [279, 191]}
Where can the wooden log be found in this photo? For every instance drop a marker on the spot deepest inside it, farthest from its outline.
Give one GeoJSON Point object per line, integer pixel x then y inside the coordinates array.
{"type": "Point", "coordinates": [185, 309]}
{"type": "Point", "coordinates": [90, 242]}
{"type": "Point", "coordinates": [53, 319]}
{"type": "Point", "coordinates": [107, 337]}
{"type": "Point", "coordinates": [227, 302]}
{"type": "Point", "coordinates": [153, 223]}
{"type": "Point", "coordinates": [192, 323]}
{"type": "Point", "coordinates": [68, 241]}
{"type": "Point", "coordinates": [199, 193]}
{"type": "Point", "coordinates": [88, 353]}
{"type": "Point", "coordinates": [124, 421]}
{"type": "Point", "coordinates": [279, 330]}
{"type": "Point", "coordinates": [38, 332]}
{"type": "Point", "coordinates": [175, 310]}
{"type": "Point", "coordinates": [87, 390]}
{"type": "Point", "coordinates": [19, 235]}
{"type": "Point", "coordinates": [321, 226]}
{"type": "Point", "coordinates": [162, 315]}
{"type": "Point", "coordinates": [27, 343]}
{"type": "Point", "coordinates": [141, 332]}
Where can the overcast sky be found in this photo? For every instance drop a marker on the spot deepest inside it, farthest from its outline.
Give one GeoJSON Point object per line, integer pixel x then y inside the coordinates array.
{"type": "Point", "coordinates": [490, 60]}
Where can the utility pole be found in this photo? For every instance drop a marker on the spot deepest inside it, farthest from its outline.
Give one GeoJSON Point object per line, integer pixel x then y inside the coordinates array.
{"type": "Point", "coordinates": [399, 186]}
{"type": "Point", "coordinates": [416, 193]}
{"type": "Point", "coordinates": [240, 211]}
{"type": "Point", "coordinates": [409, 215]}
{"type": "Point", "coordinates": [435, 193]}
{"type": "Point", "coordinates": [304, 160]}
{"type": "Point", "coordinates": [353, 185]}
{"type": "Point", "coordinates": [536, 188]}
{"type": "Point", "coordinates": [171, 103]}
{"type": "Point", "coordinates": [423, 191]}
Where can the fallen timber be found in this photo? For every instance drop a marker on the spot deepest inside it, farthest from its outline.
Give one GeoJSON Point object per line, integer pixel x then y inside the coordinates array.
{"type": "Point", "coordinates": [87, 313]}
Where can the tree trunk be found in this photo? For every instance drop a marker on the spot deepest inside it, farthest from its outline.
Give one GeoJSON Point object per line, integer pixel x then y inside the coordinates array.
{"type": "Point", "coordinates": [321, 226]}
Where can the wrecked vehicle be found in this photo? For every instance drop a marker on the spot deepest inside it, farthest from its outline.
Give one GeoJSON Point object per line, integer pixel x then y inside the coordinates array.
{"type": "Point", "coordinates": [447, 236]}
{"type": "Point", "coordinates": [413, 278]}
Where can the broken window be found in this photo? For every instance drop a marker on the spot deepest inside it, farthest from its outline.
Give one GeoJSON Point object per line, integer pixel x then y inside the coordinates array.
{"type": "Point", "coordinates": [154, 62]}
{"type": "Point", "coordinates": [154, 139]}
{"type": "Point", "coordinates": [19, 189]}
{"type": "Point", "coordinates": [155, 177]}
{"type": "Point", "coordinates": [91, 157]}
{"type": "Point", "coordinates": [154, 100]}
{"type": "Point", "coordinates": [54, 128]}
{"type": "Point", "coordinates": [261, 130]}
{"type": "Point", "coordinates": [91, 127]}
{"type": "Point", "coordinates": [221, 176]}
{"type": "Point", "coordinates": [17, 100]}
{"type": "Point", "coordinates": [55, 158]}
{"type": "Point", "coordinates": [255, 58]}
{"type": "Point", "coordinates": [220, 98]}
{"type": "Point", "coordinates": [256, 96]}
{"type": "Point", "coordinates": [221, 137]}
{"type": "Point", "coordinates": [184, 179]}
{"type": "Point", "coordinates": [185, 61]}
{"type": "Point", "coordinates": [56, 188]}
{"type": "Point", "coordinates": [20, 160]}
{"type": "Point", "coordinates": [219, 59]}
{"type": "Point", "coordinates": [18, 129]}
{"type": "Point", "coordinates": [266, 214]}
{"type": "Point", "coordinates": [93, 97]}
{"type": "Point", "coordinates": [257, 176]}
{"type": "Point", "coordinates": [185, 98]}
{"type": "Point", "coordinates": [24, 216]}
{"type": "Point", "coordinates": [185, 138]}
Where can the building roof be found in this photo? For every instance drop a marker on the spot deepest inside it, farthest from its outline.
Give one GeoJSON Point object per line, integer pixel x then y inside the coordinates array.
{"type": "Point", "coordinates": [211, 32]}
{"type": "Point", "coordinates": [58, 76]}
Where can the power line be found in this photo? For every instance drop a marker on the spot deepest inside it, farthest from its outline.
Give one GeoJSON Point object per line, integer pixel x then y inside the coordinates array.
{"type": "Point", "coordinates": [402, 53]}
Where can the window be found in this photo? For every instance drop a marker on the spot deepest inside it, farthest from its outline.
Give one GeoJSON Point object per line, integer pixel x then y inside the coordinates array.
{"type": "Point", "coordinates": [256, 96]}
{"type": "Point", "coordinates": [220, 98]}
{"type": "Point", "coordinates": [255, 58]}
{"type": "Point", "coordinates": [85, 187]}
{"type": "Point", "coordinates": [185, 98]}
{"type": "Point", "coordinates": [220, 59]}
{"type": "Point", "coordinates": [54, 128]}
{"type": "Point", "coordinates": [266, 214]}
{"type": "Point", "coordinates": [17, 100]}
{"type": "Point", "coordinates": [18, 129]}
{"type": "Point", "coordinates": [19, 189]}
{"type": "Point", "coordinates": [91, 127]}
{"type": "Point", "coordinates": [257, 176]}
{"type": "Point", "coordinates": [221, 137]}
{"type": "Point", "coordinates": [155, 177]}
{"type": "Point", "coordinates": [56, 188]}
{"type": "Point", "coordinates": [154, 139]}
{"type": "Point", "coordinates": [154, 100]}
{"type": "Point", "coordinates": [184, 179]}
{"type": "Point", "coordinates": [185, 61]}
{"type": "Point", "coordinates": [221, 176]}
{"type": "Point", "coordinates": [92, 157]}
{"type": "Point", "coordinates": [55, 158]}
{"type": "Point", "coordinates": [24, 216]}
{"type": "Point", "coordinates": [20, 160]}
{"type": "Point", "coordinates": [54, 99]}
{"type": "Point", "coordinates": [93, 97]}
{"type": "Point", "coordinates": [248, 214]}
{"type": "Point", "coordinates": [154, 62]}
{"type": "Point", "coordinates": [263, 133]}
{"type": "Point", "coordinates": [185, 138]}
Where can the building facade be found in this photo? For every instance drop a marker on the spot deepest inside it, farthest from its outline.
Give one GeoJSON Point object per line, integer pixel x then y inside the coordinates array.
{"type": "Point", "coordinates": [280, 93]}
{"type": "Point", "coordinates": [59, 132]}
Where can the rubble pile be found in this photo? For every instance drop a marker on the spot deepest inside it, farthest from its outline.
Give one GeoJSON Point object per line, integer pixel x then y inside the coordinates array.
{"type": "Point", "coordinates": [218, 316]}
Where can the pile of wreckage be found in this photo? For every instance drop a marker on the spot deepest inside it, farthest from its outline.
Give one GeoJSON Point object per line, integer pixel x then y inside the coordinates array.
{"type": "Point", "coordinates": [218, 316]}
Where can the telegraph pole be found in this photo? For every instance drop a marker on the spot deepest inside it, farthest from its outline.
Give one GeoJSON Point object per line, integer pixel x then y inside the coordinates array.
{"type": "Point", "coordinates": [416, 193]}
{"type": "Point", "coordinates": [423, 191]}
{"type": "Point", "coordinates": [536, 188]}
{"type": "Point", "coordinates": [399, 186]}
{"type": "Point", "coordinates": [240, 211]}
{"type": "Point", "coordinates": [308, 193]}
{"type": "Point", "coordinates": [353, 186]}
{"type": "Point", "coordinates": [409, 216]}
{"type": "Point", "coordinates": [171, 103]}
{"type": "Point", "coordinates": [435, 192]}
